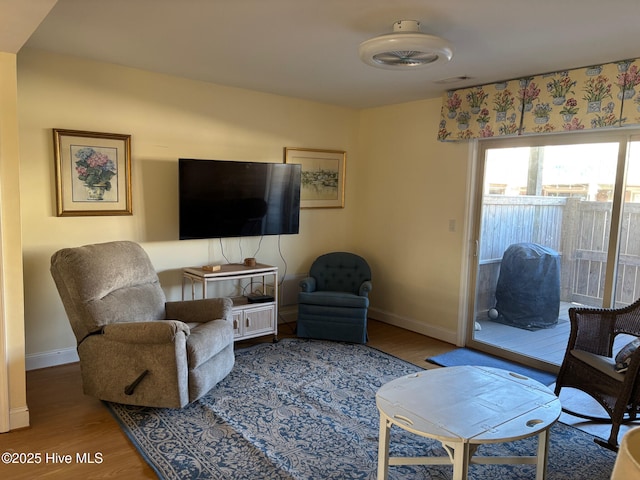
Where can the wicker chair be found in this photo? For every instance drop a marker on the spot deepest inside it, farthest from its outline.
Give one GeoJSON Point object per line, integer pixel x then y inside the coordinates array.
{"type": "Point", "coordinates": [589, 364]}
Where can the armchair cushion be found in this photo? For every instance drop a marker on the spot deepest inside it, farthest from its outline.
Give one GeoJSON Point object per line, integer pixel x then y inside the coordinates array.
{"type": "Point", "coordinates": [107, 283]}
{"type": "Point", "coordinates": [335, 299]}
{"type": "Point", "coordinates": [601, 363]}
{"type": "Point", "coordinates": [207, 340]}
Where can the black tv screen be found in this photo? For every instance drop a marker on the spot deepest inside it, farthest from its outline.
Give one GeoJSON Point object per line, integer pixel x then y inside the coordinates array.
{"type": "Point", "coordinates": [220, 198]}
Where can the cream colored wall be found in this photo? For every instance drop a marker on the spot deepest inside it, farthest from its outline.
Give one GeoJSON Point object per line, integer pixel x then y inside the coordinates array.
{"type": "Point", "coordinates": [403, 188]}
{"type": "Point", "coordinates": [168, 118]}
{"type": "Point", "coordinates": [11, 293]}
{"type": "Point", "coordinates": [409, 198]}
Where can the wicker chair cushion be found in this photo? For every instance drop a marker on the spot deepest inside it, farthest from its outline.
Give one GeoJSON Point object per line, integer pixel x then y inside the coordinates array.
{"type": "Point", "coordinates": [605, 365]}
{"type": "Point", "coordinates": [623, 358]}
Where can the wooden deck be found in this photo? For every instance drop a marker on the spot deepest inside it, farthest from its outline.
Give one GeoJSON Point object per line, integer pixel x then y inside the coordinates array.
{"type": "Point", "coordinates": [547, 344]}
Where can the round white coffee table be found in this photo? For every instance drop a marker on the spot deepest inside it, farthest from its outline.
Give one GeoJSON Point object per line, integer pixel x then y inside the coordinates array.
{"type": "Point", "coordinates": [464, 407]}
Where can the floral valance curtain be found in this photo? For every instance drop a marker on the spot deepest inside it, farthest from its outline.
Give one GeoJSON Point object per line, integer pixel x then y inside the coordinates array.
{"type": "Point", "coordinates": [600, 96]}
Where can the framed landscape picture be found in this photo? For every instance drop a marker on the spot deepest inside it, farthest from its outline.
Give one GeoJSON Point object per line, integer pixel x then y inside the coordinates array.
{"type": "Point", "coordinates": [93, 173]}
{"type": "Point", "coordinates": [323, 176]}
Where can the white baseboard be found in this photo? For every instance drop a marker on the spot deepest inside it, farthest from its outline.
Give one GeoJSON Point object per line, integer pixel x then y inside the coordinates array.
{"type": "Point", "coordinates": [449, 336]}
{"type": "Point", "coordinates": [18, 418]}
{"type": "Point", "coordinates": [51, 358]}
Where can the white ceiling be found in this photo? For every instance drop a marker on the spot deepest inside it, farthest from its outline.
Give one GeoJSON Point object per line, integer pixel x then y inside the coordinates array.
{"type": "Point", "coordinates": [309, 48]}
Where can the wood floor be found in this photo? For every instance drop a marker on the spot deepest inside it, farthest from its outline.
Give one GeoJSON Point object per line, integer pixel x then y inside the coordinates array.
{"type": "Point", "coordinates": [66, 422]}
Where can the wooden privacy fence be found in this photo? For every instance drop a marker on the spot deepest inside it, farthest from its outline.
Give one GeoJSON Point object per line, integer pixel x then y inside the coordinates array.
{"type": "Point", "coordinates": [578, 230]}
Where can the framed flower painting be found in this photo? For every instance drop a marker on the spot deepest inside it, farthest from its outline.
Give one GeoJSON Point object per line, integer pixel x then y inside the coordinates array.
{"type": "Point", "coordinates": [93, 173]}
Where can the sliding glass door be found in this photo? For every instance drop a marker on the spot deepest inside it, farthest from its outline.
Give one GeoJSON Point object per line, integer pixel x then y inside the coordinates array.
{"type": "Point", "coordinates": [557, 224]}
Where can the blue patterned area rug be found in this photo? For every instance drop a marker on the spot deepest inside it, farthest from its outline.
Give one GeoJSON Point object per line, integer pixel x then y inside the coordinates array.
{"type": "Point", "coordinates": [305, 410]}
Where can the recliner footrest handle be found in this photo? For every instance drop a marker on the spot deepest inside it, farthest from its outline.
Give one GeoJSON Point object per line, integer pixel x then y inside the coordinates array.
{"type": "Point", "coordinates": [128, 390]}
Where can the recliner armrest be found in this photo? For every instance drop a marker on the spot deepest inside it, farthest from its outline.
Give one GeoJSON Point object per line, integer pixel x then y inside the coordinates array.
{"type": "Point", "coordinates": [199, 311]}
{"type": "Point", "coordinates": [365, 288]}
{"type": "Point", "coordinates": [153, 332]}
{"type": "Point", "coordinates": [308, 284]}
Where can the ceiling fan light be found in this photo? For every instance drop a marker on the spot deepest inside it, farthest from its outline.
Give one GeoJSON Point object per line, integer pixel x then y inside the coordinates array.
{"type": "Point", "coordinates": [404, 49]}
{"type": "Point", "coordinates": [406, 58]}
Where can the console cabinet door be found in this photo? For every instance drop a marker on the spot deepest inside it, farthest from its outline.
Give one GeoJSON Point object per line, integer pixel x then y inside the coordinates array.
{"type": "Point", "coordinates": [259, 320]}
{"type": "Point", "coordinates": [254, 321]}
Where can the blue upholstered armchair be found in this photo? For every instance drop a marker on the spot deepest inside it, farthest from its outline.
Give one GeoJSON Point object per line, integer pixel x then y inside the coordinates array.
{"type": "Point", "coordinates": [334, 298]}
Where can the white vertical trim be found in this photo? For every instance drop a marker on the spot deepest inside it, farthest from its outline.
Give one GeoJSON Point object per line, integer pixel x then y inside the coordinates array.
{"type": "Point", "coordinates": [4, 360]}
{"type": "Point", "coordinates": [5, 416]}
{"type": "Point", "coordinates": [12, 376]}
{"type": "Point", "coordinates": [468, 247]}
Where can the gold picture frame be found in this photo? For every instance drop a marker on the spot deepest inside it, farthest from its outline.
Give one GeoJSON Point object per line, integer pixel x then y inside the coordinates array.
{"type": "Point", "coordinates": [93, 173]}
{"type": "Point", "coordinates": [323, 176]}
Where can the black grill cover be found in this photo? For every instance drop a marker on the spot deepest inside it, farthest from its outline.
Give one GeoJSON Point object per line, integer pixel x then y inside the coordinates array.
{"type": "Point", "coordinates": [528, 289]}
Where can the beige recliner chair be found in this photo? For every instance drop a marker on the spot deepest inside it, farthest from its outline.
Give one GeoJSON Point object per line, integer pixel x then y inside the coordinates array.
{"type": "Point", "coordinates": [134, 347]}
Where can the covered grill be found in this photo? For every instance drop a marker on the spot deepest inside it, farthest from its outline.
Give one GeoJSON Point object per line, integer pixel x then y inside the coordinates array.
{"type": "Point", "coordinates": [528, 288]}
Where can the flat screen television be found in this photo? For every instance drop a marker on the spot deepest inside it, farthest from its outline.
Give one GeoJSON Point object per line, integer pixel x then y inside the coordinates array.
{"type": "Point", "coordinates": [220, 198]}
